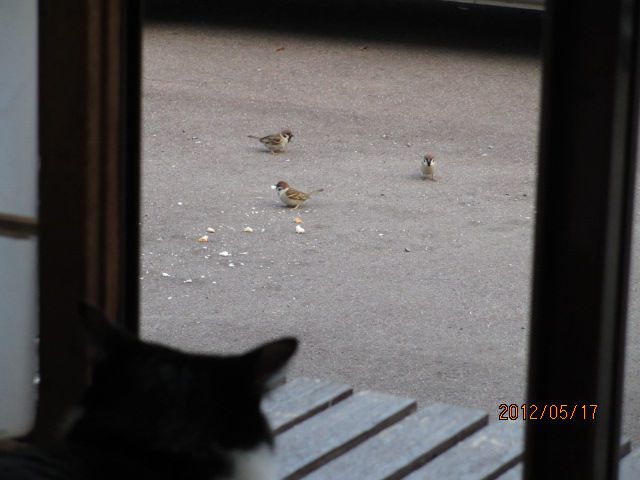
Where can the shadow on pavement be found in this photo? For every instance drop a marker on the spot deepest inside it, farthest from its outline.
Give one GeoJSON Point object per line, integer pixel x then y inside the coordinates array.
{"type": "Point", "coordinates": [506, 31]}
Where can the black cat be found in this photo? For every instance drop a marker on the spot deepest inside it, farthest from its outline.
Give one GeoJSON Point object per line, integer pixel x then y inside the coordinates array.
{"type": "Point", "coordinates": [152, 412]}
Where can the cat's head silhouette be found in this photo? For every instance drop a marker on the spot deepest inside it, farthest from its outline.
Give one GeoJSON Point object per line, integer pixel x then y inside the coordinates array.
{"type": "Point", "coordinates": [171, 406]}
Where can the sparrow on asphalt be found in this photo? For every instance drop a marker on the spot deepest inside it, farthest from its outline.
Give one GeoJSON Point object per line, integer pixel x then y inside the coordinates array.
{"type": "Point", "coordinates": [277, 142]}
{"type": "Point", "coordinates": [292, 197]}
{"type": "Point", "coordinates": [428, 167]}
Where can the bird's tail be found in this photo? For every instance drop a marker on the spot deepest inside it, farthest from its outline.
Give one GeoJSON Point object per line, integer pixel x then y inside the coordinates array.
{"type": "Point", "coordinates": [253, 136]}
{"type": "Point", "coordinates": [316, 191]}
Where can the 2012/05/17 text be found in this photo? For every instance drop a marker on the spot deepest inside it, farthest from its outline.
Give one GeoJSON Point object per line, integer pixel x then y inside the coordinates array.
{"type": "Point", "coordinates": [552, 411]}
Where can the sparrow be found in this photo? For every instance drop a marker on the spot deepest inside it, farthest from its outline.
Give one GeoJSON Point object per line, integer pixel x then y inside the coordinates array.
{"type": "Point", "coordinates": [428, 167]}
{"type": "Point", "coordinates": [277, 142]}
{"type": "Point", "coordinates": [292, 197]}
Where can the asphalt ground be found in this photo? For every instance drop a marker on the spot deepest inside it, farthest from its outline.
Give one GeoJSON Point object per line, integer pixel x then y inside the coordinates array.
{"type": "Point", "coordinates": [412, 287]}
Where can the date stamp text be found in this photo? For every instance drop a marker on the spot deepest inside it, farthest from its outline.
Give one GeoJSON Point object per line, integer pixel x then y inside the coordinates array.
{"type": "Point", "coordinates": [526, 411]}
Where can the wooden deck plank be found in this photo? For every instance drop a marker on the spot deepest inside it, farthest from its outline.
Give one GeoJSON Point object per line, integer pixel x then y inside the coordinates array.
{"type": "Point", "coordinates": [484, 455]}
{"type": "Point", "coordinates": [405, 446]}
{"type": "Point", "coordinates": [630, 466]}
{"type": "Point", "coordinates": [299, 399]}
{"type": "Point", "coordinates": [321, 438]}
{"type": "Point", "coordinates": [517, 472]}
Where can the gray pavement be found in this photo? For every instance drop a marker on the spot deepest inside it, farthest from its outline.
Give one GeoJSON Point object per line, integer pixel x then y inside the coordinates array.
{"type": "Point", "coordinates": [402, 285]}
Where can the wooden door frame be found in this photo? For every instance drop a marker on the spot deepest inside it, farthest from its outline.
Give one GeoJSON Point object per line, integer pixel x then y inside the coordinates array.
{"type": "Point", "coordinates": [89, 135]}
{"type": "Point", "coordinates": [586, 177]}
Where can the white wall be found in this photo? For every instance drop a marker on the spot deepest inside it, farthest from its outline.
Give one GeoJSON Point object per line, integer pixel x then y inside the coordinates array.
{"type": "Point", "coordinates": [18, 196]}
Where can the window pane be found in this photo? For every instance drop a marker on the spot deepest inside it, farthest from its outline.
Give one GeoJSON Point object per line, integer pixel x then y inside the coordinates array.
{"type": "Point", "coordinates": [18, 109]}
{"type": "Point", "coordinates": [18, 319]}
{"type": "Point", "coordinates": [398, 284]}
{"type": "Point", "coordinates": [18, 196]}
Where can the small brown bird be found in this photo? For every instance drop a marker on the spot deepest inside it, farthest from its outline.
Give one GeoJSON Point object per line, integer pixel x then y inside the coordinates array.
{"type": "Point", "coordinates": [428, 167]}
{"type": "Point", "coordinates": [277, 142]}
{"type": "Point", "coordinates": [292, 197]}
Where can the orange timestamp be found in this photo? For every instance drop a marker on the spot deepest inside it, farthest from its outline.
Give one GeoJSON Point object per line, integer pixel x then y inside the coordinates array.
{"type": "Point", "coordinates": [552, 411]}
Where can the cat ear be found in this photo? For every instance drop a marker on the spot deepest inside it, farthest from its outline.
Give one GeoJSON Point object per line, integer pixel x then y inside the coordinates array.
{"type": "Point", "coordinates": [270, 360]}
{"type": "Point", "coordinates": [102, 336]}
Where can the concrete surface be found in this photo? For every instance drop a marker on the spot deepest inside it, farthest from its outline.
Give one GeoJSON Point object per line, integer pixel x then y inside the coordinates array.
{"type": "Point", "coordinates": [401, 285]}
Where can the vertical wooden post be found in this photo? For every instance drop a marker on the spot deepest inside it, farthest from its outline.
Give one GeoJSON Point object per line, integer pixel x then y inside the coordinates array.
{"type": "Point", "coordinates": [588, 148]}
{"type": "Point", "coordinates": [89, 100]}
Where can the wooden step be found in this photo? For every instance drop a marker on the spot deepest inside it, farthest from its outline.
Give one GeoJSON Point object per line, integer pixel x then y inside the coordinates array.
{"type": "Point", "coordinates": [321, 438]}
{"type": "Point", "coordinates": [299, 399]}
{"type": "Point", "coordinates": [405, 446]}
{"type": "Point", "coordinates": [630, 466]}
{"type": "Point", "coordinates": [483, 456]}
{"type": "Point", "coordinates": [517, 472]}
